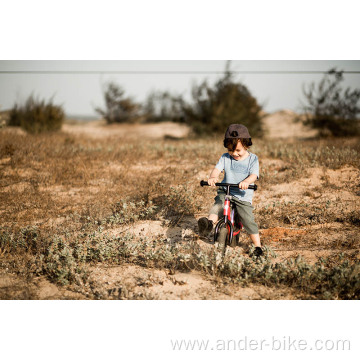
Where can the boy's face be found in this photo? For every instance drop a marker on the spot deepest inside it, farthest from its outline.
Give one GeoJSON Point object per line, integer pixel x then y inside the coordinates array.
{"type": "Point", "coordinates": [238, 152]}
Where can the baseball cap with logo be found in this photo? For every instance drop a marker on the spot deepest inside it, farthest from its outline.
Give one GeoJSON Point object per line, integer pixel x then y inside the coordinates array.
{"type": "Point", "coordinates": [237, 131]}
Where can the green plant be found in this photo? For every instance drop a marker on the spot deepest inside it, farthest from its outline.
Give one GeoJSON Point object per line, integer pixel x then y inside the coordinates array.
{"type": "Point", "coordinates": [37, 116]}
{"type": "Point", "coordinates": [214, 108]}
{"type": "Point", "coordinates": [125, 212]}
{"type": "Point", "coordinates": [119, 109]}
{"type": "Point", "coordinates": [329, 109]}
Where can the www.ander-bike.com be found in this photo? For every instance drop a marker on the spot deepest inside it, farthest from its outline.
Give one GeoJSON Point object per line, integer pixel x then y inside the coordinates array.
{"type": "Point", "coordinates": [285, 343]}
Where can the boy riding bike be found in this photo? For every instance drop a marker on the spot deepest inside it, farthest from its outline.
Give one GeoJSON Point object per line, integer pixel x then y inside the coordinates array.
{"type": "Point", "coordinates": [240, 167]}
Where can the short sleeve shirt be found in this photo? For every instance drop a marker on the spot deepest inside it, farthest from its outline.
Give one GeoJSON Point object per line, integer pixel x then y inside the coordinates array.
{"type": "Point", "coordinates": [237, 171]}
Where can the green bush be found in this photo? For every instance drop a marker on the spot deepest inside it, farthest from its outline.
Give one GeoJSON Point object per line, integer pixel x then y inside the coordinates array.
{"type": "Point", "coordinates": [119, 109]}
{"type": "Point", "coordinates": [37, 116]}
{"type": "Point", "coordinates": [127, 211]}
{"type": "Point", "coordinates": [329, 109]}
{"type": "Point", "coordinates": [227, 102]}
{"type": "Point", "coordinates": [212, 110]}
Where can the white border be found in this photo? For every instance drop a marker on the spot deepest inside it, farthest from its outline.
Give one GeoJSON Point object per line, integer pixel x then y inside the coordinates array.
{"type": "Point", "coordinates": [138, 329]}
{"type": "Point", "coordinates": [180, 30]}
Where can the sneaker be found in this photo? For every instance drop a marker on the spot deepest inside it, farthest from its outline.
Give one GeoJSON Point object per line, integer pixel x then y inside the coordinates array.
{"type": "Point", "coordinates": [258, 251]}
{"type": "Point", "coordinates": [205, 226]}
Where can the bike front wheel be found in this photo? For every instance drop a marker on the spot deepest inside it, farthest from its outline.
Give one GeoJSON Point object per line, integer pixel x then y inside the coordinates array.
{"type": "Point", "coordinates": [222, 240]}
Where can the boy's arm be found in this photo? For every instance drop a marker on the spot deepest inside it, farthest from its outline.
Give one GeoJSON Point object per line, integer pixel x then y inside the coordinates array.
{"type": "Point", "coordinates": [249, 180]}
{"type": "Point", "coordinates": [214, 176]}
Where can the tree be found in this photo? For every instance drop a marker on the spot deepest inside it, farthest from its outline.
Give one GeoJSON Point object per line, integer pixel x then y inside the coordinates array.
{"type": "Point", "coordinates": [119, 109]}
{"type": "Point", "coordinates": [227, 102]}
{"type": "Point", "coordinates": [329, 109]}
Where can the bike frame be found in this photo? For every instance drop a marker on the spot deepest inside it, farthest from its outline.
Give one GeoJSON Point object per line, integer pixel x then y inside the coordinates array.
{"type": "Point", "coordinates": [229, 212]}
{"type": "Point", "coordinates": [228, 218]}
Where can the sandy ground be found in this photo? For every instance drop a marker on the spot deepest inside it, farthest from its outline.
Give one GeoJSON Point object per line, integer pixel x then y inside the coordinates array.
{"type": "Point", "coordinates": [99, 129]}
{"type": "Point", "coordinates": [281, 124]}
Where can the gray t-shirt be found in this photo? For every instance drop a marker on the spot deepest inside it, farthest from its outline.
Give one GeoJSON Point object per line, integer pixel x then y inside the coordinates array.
{"type": "Point", "coordinates": [237, 171]}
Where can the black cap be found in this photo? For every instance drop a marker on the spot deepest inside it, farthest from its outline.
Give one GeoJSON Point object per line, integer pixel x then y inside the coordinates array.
{"type": "Point", "coordinates": [237, 131]}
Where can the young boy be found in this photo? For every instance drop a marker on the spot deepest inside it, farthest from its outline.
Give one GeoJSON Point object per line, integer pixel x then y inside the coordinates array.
{"type": "Point", "coordinates": [240, 167]}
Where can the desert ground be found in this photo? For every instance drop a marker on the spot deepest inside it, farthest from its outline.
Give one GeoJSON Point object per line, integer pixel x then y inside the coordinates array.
{"type": "Point", "coordinates": [102, 211]}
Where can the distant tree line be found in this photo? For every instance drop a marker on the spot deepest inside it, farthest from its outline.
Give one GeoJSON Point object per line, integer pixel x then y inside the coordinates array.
{"type": "Point", "coordinates": [212, 109]}
{"type": "Point", "coordinates": [328, 108]}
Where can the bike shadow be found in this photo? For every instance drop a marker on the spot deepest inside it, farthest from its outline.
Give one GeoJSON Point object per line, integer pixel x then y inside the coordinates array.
{"type": "Point", "coordinates": [181, 229]}
{"type": "Point", "coordinates": [186, 229]}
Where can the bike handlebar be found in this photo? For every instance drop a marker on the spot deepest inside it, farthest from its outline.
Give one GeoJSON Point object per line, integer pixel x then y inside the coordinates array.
{"type": "Point", "coordinates": [205, 183]}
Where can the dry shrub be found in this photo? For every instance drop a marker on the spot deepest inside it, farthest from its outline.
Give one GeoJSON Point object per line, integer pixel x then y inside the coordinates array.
{"type": "Point", "coordinates": [37, 116]}
{"type": "Point", "coordinates": [329, 109]}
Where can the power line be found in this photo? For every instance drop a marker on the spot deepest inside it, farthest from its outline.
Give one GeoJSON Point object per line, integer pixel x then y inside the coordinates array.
{"type": "Point", "coordinates": [129, 72]}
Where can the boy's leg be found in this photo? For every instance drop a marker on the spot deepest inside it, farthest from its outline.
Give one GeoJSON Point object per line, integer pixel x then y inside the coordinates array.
{"type": "Point", "coordinates": [206, 224]}
{"type": "Point", "coordinates": [255, 239]}
{"type": "Point", "coordinates": [245, 211]}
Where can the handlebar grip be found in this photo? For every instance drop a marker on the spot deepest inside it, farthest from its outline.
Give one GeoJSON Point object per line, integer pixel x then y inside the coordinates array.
{"type": "Point", "coordinates": [205, 183]}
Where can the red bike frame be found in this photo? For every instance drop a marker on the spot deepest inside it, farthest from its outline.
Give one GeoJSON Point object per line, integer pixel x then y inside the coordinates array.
{"type": "Point", "coordinates": [229, 212]}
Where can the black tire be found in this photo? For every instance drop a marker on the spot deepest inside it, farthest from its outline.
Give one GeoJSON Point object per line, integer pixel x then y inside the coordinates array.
{"type": "Point", "coordinates": [235, 241]}
{"type": "Point", "coordinates": [222, 240]}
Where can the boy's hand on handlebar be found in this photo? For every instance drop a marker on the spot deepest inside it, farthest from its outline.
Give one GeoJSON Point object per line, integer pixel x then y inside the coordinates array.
{"type": "Point", "coordinates": [212, 181]}
{"type": "Point", "coordinates": [244, 185]}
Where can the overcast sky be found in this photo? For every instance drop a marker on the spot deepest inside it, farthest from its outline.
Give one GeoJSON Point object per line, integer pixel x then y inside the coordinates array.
{"type": "Point", "coordinates": [80, 93]}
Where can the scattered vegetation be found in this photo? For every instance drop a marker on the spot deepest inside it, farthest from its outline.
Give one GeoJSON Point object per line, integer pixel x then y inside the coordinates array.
{"type": "Point", "coordinates": [66, 261]}
{"type": "Point", "coordinates": [67, 204]}
{"type": "Point", "coordinates": [37, 116]}
{"type": "Point", "coordinates": [330, 109]}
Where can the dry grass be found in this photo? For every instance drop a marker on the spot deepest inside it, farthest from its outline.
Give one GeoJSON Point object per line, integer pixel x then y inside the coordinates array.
{"type": "Point", "coordinates": [63, 195]}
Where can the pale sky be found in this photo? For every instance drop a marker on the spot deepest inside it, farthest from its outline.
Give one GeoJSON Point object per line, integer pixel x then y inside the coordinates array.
{"type": "Point", "coordinates": [80, 93]}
